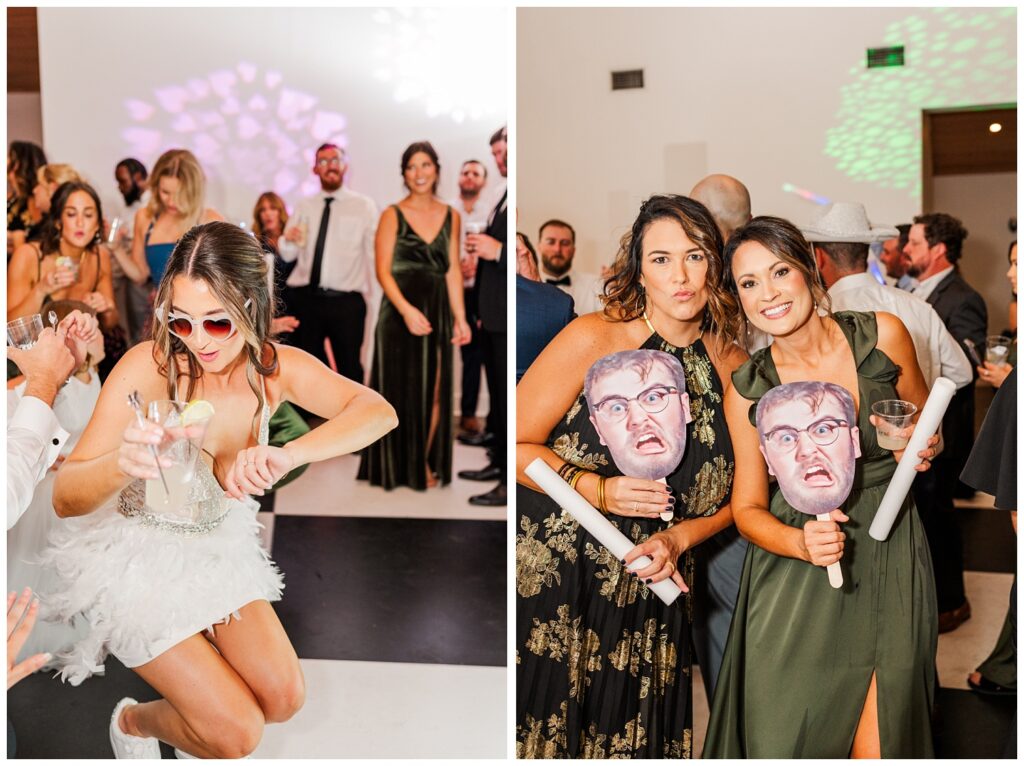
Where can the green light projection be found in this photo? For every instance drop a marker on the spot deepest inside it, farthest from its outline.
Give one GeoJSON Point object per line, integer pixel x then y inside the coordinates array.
{"type": "Point", "coordinates": [955, 57]}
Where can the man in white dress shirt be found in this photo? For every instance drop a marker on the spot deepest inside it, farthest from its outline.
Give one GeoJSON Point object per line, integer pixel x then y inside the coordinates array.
{"type": "Point", "coordinates": [34, 437]}
{"type": "Point", "coordinates": [557, 248]}
{"type": "Point", "coordinates": [472, 211]}
{"type": "Point", "coordinates": [841, 239]}
{"type": "Point", "coordinates": [331, 235]}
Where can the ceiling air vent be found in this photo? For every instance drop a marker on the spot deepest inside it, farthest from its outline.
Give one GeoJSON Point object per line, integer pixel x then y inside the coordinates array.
{"type": "Point", "coordinates": [633, 78]}
{"type": "Point", "coordinates": [882, 57]}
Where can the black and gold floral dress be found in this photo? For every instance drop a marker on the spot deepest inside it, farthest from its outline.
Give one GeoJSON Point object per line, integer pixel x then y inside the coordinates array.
{"type": "Point", "coordinates": [603, 666]}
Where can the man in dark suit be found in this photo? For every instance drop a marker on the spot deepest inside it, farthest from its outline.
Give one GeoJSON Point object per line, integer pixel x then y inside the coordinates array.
{"type": "Point", "coordinates": [934, 246]}
{"type": "Point", "coordinates": [491, 276]}
{"type": "Point", "coordinates": [542, 310]}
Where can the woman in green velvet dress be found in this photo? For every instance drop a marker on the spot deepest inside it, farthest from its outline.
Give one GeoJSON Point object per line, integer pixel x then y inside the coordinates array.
{"type": "Point", "coordinates": [811, 671]}
{"type": "Point", "coordinates": [421, 318]}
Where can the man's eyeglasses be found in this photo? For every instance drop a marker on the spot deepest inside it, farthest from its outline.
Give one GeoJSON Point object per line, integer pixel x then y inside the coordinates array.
{"type": "Point", "coordinates": [219, 327]}
{"type": "Point", "coordinates": [323, 162]}
{"type": "Point", "coordinates": [653, 401]}
{"type": "Point", "coordinates": [823, 433]}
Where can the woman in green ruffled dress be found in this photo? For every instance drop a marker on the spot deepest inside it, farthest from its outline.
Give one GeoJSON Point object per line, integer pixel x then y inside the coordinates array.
{"type": "Point", "coordinates": [811, 671]}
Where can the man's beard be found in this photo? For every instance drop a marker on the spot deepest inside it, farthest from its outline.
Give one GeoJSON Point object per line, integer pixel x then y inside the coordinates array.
{"type": "Point", "coordinates": [133, 195]}
{"type": "Point", "coordinates": [555, 271]}
{"type": "Point", "coordinates": [470, 194]}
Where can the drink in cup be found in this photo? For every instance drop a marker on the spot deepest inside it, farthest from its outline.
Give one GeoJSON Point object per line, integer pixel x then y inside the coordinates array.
{"type": "Point", "coordinates": [24, 332]}
{"type": "Point", "coordinates": [894, 424]}
{"type": "Point", "coordinates": [997, 349]}
{"type": "Point", "coordinates": [184, 430]}
{"type": "Point", "coordinates": [475, 227]}
{"type": "Point", "coordinates": [67, 262]}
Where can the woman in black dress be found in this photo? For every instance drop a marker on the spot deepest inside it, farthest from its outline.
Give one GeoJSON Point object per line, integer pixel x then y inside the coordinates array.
{"type": "Point", "coordinates": [421, 317]}
{"type": "Point", "coordinates": [603, 665]}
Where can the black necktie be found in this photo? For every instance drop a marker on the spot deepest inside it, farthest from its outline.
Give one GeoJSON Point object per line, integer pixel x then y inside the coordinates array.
{"type": "Point", "coordinates": [563, 281]}
{"type": "Point", "coordinates": [321, 239]}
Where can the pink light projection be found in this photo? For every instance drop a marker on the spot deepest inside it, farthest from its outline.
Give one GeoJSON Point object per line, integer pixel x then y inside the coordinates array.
{"type": "Point", "coordinates": [243, 124]}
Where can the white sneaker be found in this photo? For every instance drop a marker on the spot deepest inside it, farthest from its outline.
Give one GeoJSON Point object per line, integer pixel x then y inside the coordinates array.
{"type": "Point", "coordinates": [126, 745]}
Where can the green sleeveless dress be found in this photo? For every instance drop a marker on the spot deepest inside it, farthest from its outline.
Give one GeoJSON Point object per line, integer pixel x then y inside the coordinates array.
{"type": "Point", "coordinates": [405, 366]}
{"type": "Point", "coordinates": [800, 654]}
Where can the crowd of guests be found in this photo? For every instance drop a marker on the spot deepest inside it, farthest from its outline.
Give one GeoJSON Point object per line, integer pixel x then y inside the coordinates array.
{"type": "Point", "coordinates": [179, 300]}
{"type": "Point", "coordinates": [792, 667]}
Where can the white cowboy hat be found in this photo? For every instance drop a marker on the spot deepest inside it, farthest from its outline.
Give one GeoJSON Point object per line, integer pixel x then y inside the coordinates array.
{"type": "Point", "coordinates": [847, 222]}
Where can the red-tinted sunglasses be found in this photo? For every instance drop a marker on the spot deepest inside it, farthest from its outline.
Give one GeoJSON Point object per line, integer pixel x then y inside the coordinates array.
{"type": "Point", "coordinates": [219, 327]}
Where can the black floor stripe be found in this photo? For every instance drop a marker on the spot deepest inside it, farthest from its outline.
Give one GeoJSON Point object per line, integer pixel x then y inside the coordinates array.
{"type": "Point", "coordinates": [969, 725]}
{"type": "Point", "coordinates": [55, 720]}
{"type": "Point", "coordinates": [393, 590]}
{"type": "Point", "coordinates": [989, 542]}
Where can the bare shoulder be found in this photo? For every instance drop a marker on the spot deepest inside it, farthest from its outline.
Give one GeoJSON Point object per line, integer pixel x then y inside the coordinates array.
{"type": "Point", "coordinates": [140, 367]}
{"type": "Point", "coordinates": [727, 360]}
{"type": "Point", "coordinates": [210, 214]}
{"type": "Point", "coordinates": [891, 331]}
{"type": "Point", "coordinates": [594, 335]}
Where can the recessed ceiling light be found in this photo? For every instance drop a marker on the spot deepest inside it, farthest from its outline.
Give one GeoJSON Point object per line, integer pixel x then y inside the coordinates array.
{"type": "Point", "coordinates": [995, 127]}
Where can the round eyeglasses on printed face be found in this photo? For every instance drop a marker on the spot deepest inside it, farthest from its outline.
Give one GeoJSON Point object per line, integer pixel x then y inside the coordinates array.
{"type": "Point", "coordinates": [219, 327]}
{"type": "Point", "coordinates": [822, 433]}
{"type": "Point", "coordinates": [653, 401]}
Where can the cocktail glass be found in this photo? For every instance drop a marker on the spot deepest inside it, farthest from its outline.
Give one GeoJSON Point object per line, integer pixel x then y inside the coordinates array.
{"type": "Point", "coordinates": [182, 444]}
{"type": "Point", "coordinates": [23, 332]}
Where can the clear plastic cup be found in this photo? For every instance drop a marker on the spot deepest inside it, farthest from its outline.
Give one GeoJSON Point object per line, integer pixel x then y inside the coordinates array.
{"type": "Point", "coordinates": [182, 443]}
{"type": "Point", "coordinates": [894, 423]}
{"type": "Point", "coordinates": [997, 349]}
{"type": "Point", "coordinates": [475, 227]}
{"type": "Point", "coordinates": [67, 262]}
{"type": "Point", "coordinates": [24, 332]}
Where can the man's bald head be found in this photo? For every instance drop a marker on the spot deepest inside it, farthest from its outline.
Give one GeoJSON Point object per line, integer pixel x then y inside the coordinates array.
{"type": "Point", "coordinates": [726, 199]}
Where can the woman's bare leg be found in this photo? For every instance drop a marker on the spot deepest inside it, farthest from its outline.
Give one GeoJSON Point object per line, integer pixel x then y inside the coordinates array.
{"type": "Point", "coordinates": [207, 711]}
{"type": "Point", "coordinates": [258, 650]}
{"type": "Point", "coordinates": [867, 742]}
{"type": "Point", "coordinates": [435, 419]}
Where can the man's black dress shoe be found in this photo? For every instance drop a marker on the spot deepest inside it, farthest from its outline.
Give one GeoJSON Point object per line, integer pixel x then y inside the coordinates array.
{"type": "Point", "coordinates": [485, 439]}
{"type": "Point", "coordinates": [490, 473]}
{"type": "Point", "coordinates": [497, 496]}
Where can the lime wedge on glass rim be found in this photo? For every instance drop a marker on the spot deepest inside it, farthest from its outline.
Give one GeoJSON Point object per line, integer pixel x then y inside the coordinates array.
{"type": "Point", "coordinates": [196, 411]}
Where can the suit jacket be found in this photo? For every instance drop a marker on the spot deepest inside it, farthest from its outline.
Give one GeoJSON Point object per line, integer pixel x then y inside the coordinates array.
{"type": "Point", "coordinates": [491, 275]}
{"type": "Point", "coordinates": [541, 312]}
{"type": "Point", "coordinates": [963, 312]}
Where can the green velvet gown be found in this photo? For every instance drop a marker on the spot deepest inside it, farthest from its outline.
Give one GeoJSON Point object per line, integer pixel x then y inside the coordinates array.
{"type": "Point", "coordinates": [406, 367]}
{"type": "Point", "coordinates": [800, 654]}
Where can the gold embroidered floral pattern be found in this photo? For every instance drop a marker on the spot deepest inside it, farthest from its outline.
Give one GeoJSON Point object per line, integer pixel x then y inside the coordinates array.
{"type": "Point", "coordinates": [568, 639]}
{"type": "Point", "coordinates": [627, 744]}
{"type": "Point", "coordinates": [648, 654]}
{"type": "Point", "coordinates": [535, 566]}
{"type": "Point", "coordinates": [679, 748]}
{"type": "Point", "coordinates": [574, 410]}
{"type": "Point", "coordinates": [531, 742]}
{"type": "Point", "coordinates": [568, 447]}
{"type": "Point", "coordinates": [709, 488]}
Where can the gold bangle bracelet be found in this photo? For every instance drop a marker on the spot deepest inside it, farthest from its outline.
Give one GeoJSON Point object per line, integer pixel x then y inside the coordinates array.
{"type": "Point", "coordinates": [600, 494]}
{"type": "Point", "coordinates": [576, 478]}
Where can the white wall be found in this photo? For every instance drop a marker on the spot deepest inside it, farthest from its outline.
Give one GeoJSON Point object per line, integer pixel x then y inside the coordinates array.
{"type": "Point", "coordinates": [759, 93]}
{"type": "Point", "coordinates": [983, 202]}
{"type": "Point", "coordinates": [24, 118]}
{"type": "Point", "coordinates": [253, 91]}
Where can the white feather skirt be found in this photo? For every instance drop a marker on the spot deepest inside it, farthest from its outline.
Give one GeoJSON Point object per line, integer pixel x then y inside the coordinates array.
{"type": "Point", "coordinates": [142, 589]}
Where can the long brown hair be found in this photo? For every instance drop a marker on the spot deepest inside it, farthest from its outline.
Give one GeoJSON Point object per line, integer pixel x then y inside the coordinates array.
{"type": "Point", "coordinates": [232, 265]}
{"type": "Point", "coordinates": [624, 296]}
{"type": "Point", "coordinates": [787, 243]}
{"type": "Point", "coordinates": [275, 202]}
{"type": "Point", "coordinates": [182, 165]}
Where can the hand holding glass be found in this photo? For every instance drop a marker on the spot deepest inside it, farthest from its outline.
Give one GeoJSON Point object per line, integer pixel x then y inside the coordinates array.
{"type": "Point", "coordinates": [24, 332]}
{"type": "Point", "coordinates": [893, 423]}
{"type": "Point", "coordinates": [997, 349]}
